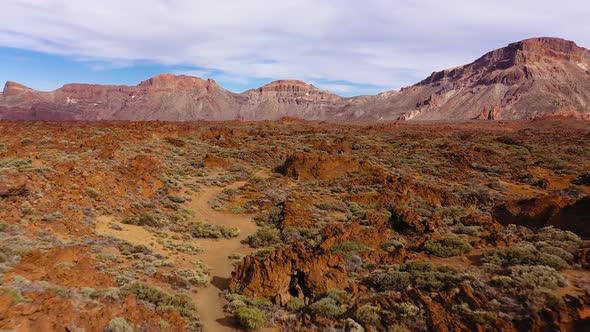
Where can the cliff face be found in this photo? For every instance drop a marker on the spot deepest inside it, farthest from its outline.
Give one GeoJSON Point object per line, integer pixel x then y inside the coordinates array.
{"type": "Point", "coordinates": [527, 79]}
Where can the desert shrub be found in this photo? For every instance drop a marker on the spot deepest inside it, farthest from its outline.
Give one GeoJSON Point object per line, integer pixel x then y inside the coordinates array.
{"type": "Point", "coordinates": [271, 216]}
{"type": "Point", "coordinates": [144, 219]}
{"type": "Point", "coordinates": [482, 317]}
{"type": "Point", "coordinates": [14, 294]}
{"type": "Point", "coordinates": [553, 234]}
{"type": "Point", "coordinates": [557, 251]}
{"type": "Point", "coordinates": [392, 246]}
{"type": "Point", "coordinates": [448, 246]}
{"type": "Point", "coordinates": [257, 302]}
{"type": "Point", "coordinates": [327, 307]}
{"type": "Point", "coordinates": [354, 263]}
{"type": "Point", "coordinates": [503, 282]}
{"type": "Point", "coordinates": [183, 247]}
{"type": "Point", "coordinates": [537, 276]}
{"type": "Point", "coordinates": [119, 324]}
{"type": "Point", "coordinates": [127, 249]}
{"type": "Point", "coordinates": [176, 199]}
{"type": "Point", "coordinates": [182, 303]}
{"type": "Point", "coordinates": [208, 231]}
{"type": "Point", "coordinates": [264, 237]}
{"type": "Point", "coordinates": [16, 163]}
{"type": "Point", "coordinates": [368, 315]}
{"type": "Point", "coordinates": [295, 304]}
{"type": "Point", "coordinates": [469, 230]}
{"type": "Point", "coordinates": [340, 296]}
{"type": "Point", "coordinates": [523, 253]}
{"type": "Point", "coordinates": [338, 206]}
{"type": "Point", "coordinates": [406, 309]}
{"type": "Point", "coordinates": [551, 260]}
{"type": "Point", "coordinates": [392, 280]}
{"type": "Point", "coordinates": [195, 277]}
{"type": "Point", "coordinates": [93, 193]}
{"type": "Point", "coordinates": [250, 318]}
{"type": "Point", "coordinates": [350, 248]}
{"type": "Point", "coordinates": [422, 275]}
{"type": "Point", "coordinates": [541, 298]}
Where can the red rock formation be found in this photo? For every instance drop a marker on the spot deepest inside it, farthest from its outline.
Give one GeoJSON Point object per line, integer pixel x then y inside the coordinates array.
{"type": "Point", "coordinates": [547, 211]}
{"type": "Point", "coordinates": [318, 166]}
{"type": "Point", "coordinates": [288, 273]}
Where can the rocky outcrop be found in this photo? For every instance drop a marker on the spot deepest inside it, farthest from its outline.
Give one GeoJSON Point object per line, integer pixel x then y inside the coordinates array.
{"type": "Point", "coordinates": [558, 211]}
{"type": "Point", "coordinates": [318, 166]}
{"type": "Point", "coordinates": [13, 183]}
{"type": "Point", "coordinates": [288, 273]}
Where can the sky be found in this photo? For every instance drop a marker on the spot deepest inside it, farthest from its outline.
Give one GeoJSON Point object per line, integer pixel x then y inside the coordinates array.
{"type": "Point", "coordinates": [349, 47]}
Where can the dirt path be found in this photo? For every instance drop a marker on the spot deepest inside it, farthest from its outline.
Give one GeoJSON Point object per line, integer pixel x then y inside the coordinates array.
{"type": "Point", "coordinates": [208, 301]}
{"type": "Point", "coordinates": [216, 252]}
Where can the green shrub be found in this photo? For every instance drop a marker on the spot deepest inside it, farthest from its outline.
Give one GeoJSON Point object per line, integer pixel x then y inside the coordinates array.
{"type": "Point", "coordinates": [264, 237]}
{"type": "Point", "coordinates": [144, 219]}
{"type": "Point", "coordinates": [350, 248]}
{"type": "Point", "coordinates": [182, 303]}
{"type": "Point", "coordinates": [198, 277]}
{"type": "Point", "coordinates": [392, 280]}
{"type": "Point", "coordinates": [525, 253]}
{"type": "Point", "coordinates": [127, 249]}
{"type": "Point", "coordinates": [423, 275]}
{"type": "Point", "coordinates": [448, 246]}
{"type": "Point", "coordinates": [295, 304]}
{"type": "Point", "coordinates": [119, 324]}
{"type": "Point", "coordinates": [176, 199]}
{"type": "Point", "coordinates": [406, 309]}
{"type": "Point", "coordinates": [368, 315]}
{"type": "Point", "coordinates": [14, 294]}
{"type": "Point", "coordinates": [250, 318]}
{"type": "Point", "coordinates": [327, 307]}
{"type": "Point", "coordinates": [93, 193]}
{"type": "Point", "coordinates": [536, 276]}
{"type": "Point", "coordinates": [207, 231]}
{"type": "Point", "coordinates": [557, 251]}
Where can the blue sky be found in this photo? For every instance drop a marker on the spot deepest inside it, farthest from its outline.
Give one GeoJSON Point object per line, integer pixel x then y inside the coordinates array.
{"type": "Point", "coordinates": [349, 47]}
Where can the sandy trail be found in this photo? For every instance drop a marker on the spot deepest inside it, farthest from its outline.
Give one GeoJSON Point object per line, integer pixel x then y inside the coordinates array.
{"type": "Point", "coordinates": [216, 252]}
{"type": "Point", "coordinates": [208, 301]}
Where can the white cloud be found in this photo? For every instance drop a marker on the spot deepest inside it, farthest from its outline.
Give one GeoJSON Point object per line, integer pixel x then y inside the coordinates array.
{"type": "Point", "coordinates": [387, 43]}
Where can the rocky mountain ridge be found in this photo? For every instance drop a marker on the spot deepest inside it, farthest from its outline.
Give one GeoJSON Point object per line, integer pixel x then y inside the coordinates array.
{"type": "Point", "coordinates": [527, 79]}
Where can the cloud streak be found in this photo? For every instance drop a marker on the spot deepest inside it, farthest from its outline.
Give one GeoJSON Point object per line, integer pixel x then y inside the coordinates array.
{"type": "Point", "coordinates": [343, 44]}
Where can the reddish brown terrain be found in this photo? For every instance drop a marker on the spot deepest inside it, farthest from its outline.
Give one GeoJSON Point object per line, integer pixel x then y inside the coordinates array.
{"type": "Point", "coordinates": [294, 225]}
{"type": "Point", "coordinates": [527, 79]}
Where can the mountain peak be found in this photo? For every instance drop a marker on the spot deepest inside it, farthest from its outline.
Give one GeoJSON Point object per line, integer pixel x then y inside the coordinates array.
{"type": "Point", "coordinates": [517, 61]}
{"type": "Point", "coordinates": [291, 86]}
{"type": "Point", "coordinates": [175, 82]}
{"type": "Point", "coordinates": [13, 89]}
{"type": "Point", "coordinates": [545, 44]}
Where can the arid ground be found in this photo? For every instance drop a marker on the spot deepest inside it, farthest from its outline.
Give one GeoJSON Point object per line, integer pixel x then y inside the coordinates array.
{"type": "Point", "coordinates": [294, 225]}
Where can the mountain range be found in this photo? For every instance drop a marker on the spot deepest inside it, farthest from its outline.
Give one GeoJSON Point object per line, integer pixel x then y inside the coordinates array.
{"type": "Point", "coordinates": [527, 79]}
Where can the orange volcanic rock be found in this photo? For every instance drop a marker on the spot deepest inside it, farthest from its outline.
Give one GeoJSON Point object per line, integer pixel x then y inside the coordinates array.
{"type": "Point", "coordinates": [319, 166]}
{"type": "Point", "coordinates": [288, 273]}
{"type": "Point", "coordinates": [48, 312]}
{"type": "Point", "coordinates": [573, 215]}
{"type": "Point", "coordinates": [63, 266]}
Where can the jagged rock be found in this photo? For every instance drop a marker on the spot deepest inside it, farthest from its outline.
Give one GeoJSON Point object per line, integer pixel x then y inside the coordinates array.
{"type": "Point", "coordinates": [318, 166]}
{"type": "Point", "coordinates": [558, 211]}
{"type": "Point", "coordinates": [288, 273]}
